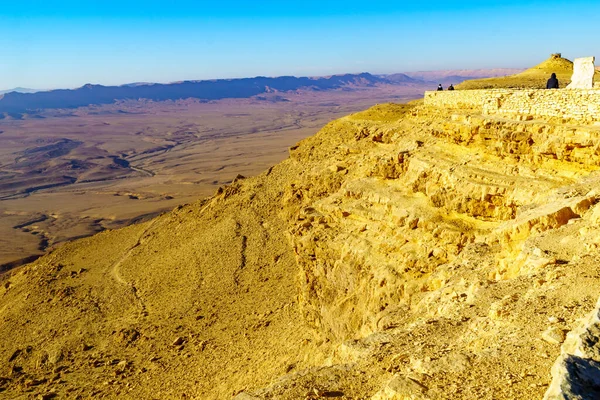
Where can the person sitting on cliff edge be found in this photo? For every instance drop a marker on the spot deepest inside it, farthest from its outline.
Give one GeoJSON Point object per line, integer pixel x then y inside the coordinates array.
{"type": "Point", "coordinates": [552, 82]}
{"type": "Point", "coordinates": [451, 87]}
{"type": "Point", "coordinates": [440, 88]}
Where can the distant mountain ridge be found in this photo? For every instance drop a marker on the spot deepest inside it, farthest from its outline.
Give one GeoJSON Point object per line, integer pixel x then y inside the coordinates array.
{"type": "Point", "coordinates": [89, 94]}
{"type": "Point", "coordinates": [401, 78]}
{"type": "Point", "coordinates": [19, 100]}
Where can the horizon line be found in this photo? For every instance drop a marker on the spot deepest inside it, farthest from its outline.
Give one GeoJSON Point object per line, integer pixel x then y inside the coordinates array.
{"type": "Point", "coordinates": [244, 77]}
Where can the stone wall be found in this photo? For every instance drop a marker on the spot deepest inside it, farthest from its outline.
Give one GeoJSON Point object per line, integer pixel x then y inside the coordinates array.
{"type": "Point", "coordinates": [578, 104]}
{"type": "Point", "coordinates": [457, 98]}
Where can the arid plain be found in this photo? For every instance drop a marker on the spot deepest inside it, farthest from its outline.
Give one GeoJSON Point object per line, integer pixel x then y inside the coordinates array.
{"type": "Point", "coordinates": [70, 173]}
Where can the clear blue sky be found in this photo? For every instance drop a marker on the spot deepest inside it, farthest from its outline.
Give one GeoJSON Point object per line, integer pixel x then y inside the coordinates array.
{"type": "Point", "coordinates": [56, 44]}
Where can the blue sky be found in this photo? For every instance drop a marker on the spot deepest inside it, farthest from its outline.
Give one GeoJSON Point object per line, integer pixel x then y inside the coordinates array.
{"type": "Point", "coordinates": [56, 44]}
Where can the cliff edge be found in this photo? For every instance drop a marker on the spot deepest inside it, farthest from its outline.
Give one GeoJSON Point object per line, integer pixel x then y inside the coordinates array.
{"type": "Point", "coordinates": [408, 251]}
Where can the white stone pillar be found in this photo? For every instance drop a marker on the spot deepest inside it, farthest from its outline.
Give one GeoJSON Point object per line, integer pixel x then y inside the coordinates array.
{"type": "Point", "coordinates": [583, 73]}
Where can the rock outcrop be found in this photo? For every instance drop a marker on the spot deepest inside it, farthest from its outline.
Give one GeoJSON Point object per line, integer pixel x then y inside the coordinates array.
{"type": "Point", "coordinates": [404, 252]}
{"type": "Point", "coordinates": [576, 373]}
{"type": "Point", "coordinates": [583, 73]}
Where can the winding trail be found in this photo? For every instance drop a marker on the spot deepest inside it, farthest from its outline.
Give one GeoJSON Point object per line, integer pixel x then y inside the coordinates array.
{"type": "Point", "coordinates": [114, 269]}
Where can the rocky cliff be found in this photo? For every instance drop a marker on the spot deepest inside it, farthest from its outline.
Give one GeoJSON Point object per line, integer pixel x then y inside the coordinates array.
{"type": "Point", "coordinates": [404, 252]}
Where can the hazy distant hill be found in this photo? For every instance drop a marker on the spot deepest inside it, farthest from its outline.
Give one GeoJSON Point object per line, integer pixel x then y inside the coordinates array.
{"type": "Point", "coordinates": [208, 90]}
{"type": "Point", "coordinates": [457, 76]}
{"type": "Point", "coordinates": [448, 76]}
{"type": "Point", "coordinates": [402, 78]}
{"type": "Point", "coordinates": [19, 90]}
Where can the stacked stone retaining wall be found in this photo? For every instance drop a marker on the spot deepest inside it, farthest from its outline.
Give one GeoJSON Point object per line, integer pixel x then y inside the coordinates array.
{"type": "Point", "coordinates": [578, 104]}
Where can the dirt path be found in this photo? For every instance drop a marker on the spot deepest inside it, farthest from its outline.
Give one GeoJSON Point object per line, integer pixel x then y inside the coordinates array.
{"type": "Point", "coordinates": [114, 269]}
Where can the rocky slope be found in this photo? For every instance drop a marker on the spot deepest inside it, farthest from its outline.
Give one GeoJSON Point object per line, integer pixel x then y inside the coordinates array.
{"type": "Point", "coordinates": [402, 252]}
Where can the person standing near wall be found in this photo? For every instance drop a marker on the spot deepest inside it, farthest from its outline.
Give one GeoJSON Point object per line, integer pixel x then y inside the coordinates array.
{"type": "Point", "coordinates": [552, 82]}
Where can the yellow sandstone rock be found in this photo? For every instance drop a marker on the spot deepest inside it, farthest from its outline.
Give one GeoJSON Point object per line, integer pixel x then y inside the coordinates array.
{"type": "Point", "coordinates": [405, 252]}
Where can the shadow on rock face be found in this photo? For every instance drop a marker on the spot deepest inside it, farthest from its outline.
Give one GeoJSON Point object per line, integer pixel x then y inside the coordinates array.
{"type": "Point", "coordinates": [333, 394]}
{"type": "Point", "coordinates": [583, 381]}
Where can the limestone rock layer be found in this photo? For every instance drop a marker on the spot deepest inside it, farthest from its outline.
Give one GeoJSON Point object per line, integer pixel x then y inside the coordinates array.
{"type": "Point", "coordinates": [583, 73]}
{"type": "Point", "coordinates": [404, 252]}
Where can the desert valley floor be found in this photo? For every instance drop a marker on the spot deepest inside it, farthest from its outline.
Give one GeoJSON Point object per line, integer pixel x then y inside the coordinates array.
{"type": "Point", "coordinates": [66, 174]}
